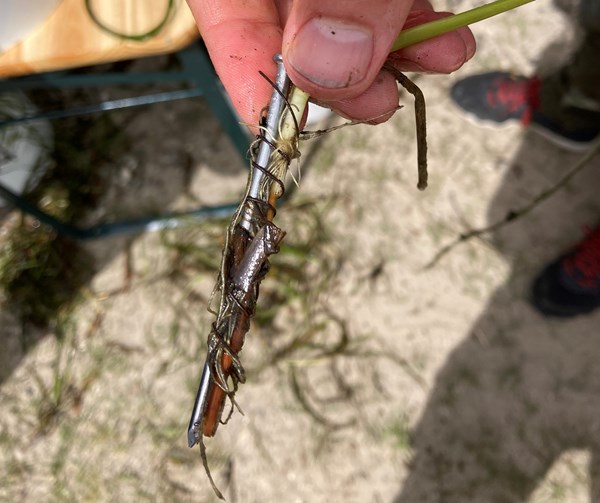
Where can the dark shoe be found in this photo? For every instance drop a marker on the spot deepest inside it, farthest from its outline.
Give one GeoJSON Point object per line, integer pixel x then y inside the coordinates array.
{"type": "Point", "coordinates": [500, 97]}
{"type": "Point", "coordinates": [571, 285]}
{"type": "Point", "coordinates": [497, 96]}
{"type": "Point", "coordinates": [578, 140]}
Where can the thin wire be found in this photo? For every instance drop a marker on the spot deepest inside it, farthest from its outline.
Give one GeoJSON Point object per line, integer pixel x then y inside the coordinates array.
{"type": "Point", "coordinates": [137, 37]}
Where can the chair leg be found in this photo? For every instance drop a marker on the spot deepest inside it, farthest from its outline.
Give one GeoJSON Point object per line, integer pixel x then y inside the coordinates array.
{"type": "Point", "coordinates": [197, 64]}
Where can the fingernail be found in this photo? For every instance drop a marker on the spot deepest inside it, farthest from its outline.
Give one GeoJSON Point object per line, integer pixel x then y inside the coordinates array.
{"type": "Point", "coordinates": [415, 18]}
{"type": "Point", "coordinates": [332, 53]}
{"type": "Point", "coordinates": [406, 65]}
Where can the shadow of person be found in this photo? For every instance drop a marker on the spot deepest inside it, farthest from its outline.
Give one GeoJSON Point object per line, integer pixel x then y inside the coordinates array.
{"type": "Point", "coordinates": [521, 389]}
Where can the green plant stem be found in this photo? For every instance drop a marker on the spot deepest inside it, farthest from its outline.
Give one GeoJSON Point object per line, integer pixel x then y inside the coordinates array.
{"type": "Point", "coordinates": [298, 100]}
{"type": "Point", "coordinates": [432, 29]}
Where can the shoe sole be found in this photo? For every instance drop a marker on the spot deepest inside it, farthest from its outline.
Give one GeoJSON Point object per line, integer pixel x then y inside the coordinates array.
{"type": "Point", "coordinates": [560, 141]}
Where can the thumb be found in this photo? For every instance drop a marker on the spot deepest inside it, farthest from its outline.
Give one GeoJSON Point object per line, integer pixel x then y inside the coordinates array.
{"type": "Point", "coordinates": [334, 50]}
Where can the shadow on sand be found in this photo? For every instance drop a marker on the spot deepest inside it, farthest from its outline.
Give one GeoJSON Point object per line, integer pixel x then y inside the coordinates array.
{"type": "Point", "coordinates": [521, 389]}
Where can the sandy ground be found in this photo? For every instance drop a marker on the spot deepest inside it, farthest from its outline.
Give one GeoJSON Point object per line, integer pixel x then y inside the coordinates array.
{"type": "Point", "coordinates": [450, 388]}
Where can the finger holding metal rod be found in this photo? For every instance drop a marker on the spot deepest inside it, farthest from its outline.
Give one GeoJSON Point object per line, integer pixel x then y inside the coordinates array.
{"type": "Point", "coordinates": [426, 31]}
{"type": "Point", "coordinates": [298, 100]}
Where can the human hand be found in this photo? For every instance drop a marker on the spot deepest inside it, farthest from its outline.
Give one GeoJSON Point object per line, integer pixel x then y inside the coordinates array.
{"type": "Point", "coordinates": [333, 50]}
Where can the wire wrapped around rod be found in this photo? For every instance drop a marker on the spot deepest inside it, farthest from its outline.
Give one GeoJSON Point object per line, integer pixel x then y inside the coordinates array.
{"type": "Point", "coordinates": [265, 171]}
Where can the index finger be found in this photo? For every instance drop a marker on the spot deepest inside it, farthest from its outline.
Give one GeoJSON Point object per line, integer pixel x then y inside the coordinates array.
{"type": "Point", "coordinates": [241, 38]}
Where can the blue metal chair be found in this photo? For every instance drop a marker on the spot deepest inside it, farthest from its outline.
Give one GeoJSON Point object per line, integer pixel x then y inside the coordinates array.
{"type": "Point", "coordinates": [198, 78]}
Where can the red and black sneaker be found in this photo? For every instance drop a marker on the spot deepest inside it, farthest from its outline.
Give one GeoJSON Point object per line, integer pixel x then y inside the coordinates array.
{"type": "Point", "coordinates": [570, 285]}
{"type": "Point", "coordinates": [499, 97]}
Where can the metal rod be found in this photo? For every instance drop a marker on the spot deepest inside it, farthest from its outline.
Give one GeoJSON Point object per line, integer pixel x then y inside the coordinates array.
{"type": "Point", "coordinates": [274, 113]}
{"type": "Point", "coordinates": [199, 407]}
{"type": "Point", "coordinates": [273, 117]}
{"type": "Point", "coordinates": [106, 105]}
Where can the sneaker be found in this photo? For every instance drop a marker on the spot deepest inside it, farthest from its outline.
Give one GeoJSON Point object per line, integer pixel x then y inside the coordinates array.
{"type": "Point", "coordinates": [497, 96]}
{"type": "Point", "coordinates": [501, 97]}
{"type": "Point", "coordinates": [570, 286]}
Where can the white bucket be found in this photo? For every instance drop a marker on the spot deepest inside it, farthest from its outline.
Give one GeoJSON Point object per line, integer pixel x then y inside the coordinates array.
{"type": "Point", "coordinates": [25, 149]}
{"type": "Point", "coordinates": [18, 18]}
